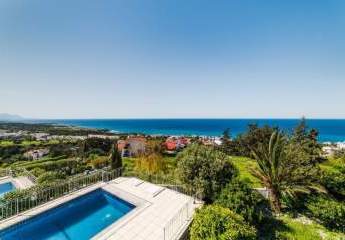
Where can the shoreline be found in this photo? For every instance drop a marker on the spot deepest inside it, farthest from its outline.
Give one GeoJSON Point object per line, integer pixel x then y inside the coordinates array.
{"type": "Point", "coordinates": [179, 128]}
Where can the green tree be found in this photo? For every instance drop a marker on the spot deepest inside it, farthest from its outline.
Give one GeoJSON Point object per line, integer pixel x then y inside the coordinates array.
{"type": "Point", "coordinates": [307, 139]}
{"type": "Point", "coordinates": [82, 150]}
{"type": "Point", "coordinates": [243, 200]}
{"type": "Point", "coordinates": [284, 169]}
{"type": "Point", "coordinates": [154, 146]}
{"type": "Point", "coordinates": [226, 136]}
{"type": "Point", "coordinates": [243, 144]}
{"type": "Point", "coordinates": [227, 145]}
{"type": "Point", "coordinates": [214, 222]}
{"type": "Point", "coordinates": [204, 170]}
{"type": "Point", "coordinates": [115, 157]}
{"type": "Point", "coordinates": [150, 164]}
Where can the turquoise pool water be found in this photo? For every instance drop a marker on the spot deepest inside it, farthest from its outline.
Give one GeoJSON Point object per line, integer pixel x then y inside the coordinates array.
{"type": "Point", "coordinates": [78, 219]}
{"type": "Point", "coordinates": [6, 187]}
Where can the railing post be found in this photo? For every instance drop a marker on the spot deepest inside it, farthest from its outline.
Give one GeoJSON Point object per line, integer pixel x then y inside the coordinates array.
{"type": "Point", "coordinates": [17, 203]}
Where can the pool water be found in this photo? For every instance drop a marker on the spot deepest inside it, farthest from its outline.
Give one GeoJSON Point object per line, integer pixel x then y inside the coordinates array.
{"type": "Point", "coordinates": [81, 218]}
{"type": "Point", "coordinates": [5, 188]}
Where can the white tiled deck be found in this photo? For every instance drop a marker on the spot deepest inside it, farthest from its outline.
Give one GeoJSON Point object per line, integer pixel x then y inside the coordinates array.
{"type": "Point", "coordinates": [155, 207]}
{"type": "Point", "coordinates": [21, 182]}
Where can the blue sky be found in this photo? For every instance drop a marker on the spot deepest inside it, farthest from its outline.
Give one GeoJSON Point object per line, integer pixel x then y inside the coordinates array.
{"type": "Point", "coordinates": [162, 59]}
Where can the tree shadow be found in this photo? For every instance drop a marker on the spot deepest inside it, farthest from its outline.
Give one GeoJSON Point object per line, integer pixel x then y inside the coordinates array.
{"type": "Point", "coordinates": [271, 229]}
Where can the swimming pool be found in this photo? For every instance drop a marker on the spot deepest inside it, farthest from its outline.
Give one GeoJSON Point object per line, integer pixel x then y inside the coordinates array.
{"type": "Point", "coordinates": [5, 188]}
{"type": "Point", "coordinates": [81, 218]}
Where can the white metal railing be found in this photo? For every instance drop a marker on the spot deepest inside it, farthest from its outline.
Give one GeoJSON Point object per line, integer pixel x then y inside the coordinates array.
{"type": "Point", "coordinates": [37, 196]}
{"type": "Point", "coordinates": [177, 223]}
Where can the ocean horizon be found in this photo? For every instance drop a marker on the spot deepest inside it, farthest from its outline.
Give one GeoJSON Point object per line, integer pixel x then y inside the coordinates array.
{"type": "Point", "coordinates": [330, 130]}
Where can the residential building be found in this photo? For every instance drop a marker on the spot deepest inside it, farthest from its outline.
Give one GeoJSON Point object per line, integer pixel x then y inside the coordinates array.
{"type": "Point", "coordinates": [132, 146]}
{"type": "Point", "coordinates": [36, 154]}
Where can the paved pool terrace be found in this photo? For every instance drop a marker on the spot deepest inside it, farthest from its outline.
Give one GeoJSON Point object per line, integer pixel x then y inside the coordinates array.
{"type": "Point", "coordinates": [155, 208]}
{"type": "Point", "coordinates": [21, 182]}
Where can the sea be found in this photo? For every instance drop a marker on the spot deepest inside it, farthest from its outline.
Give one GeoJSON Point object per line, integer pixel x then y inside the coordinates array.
{"type": "Point", "coordinates": [330, 130]}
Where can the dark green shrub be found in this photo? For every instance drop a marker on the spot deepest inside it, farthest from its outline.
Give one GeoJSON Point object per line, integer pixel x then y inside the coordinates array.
{"type": "Point", "coordinates": [334, 182]}
{"type": "Point", "coordinates": [214, 222]}
{"type": "Point", "coordinates": [241, 199]}
{"type": "Point", "coordinates": [329, 211]}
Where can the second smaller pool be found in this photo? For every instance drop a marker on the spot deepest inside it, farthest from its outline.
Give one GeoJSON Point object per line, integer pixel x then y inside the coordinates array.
{"type": "Point", "coordinates": [78, 219]}
{"type": "Point", "coordinates": [5, 188]}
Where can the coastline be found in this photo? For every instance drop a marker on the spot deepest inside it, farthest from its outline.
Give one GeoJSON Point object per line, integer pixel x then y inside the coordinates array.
{"type": "Point", "coordinates": [330, 130]}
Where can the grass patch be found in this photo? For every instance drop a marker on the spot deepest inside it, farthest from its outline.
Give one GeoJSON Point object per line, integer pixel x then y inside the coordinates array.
{"type": "Point", "coordinates": [244, 165]}
{"type": "Point", "coordinates": [305, 229]}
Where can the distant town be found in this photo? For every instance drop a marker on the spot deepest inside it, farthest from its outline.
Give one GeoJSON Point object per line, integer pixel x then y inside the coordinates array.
{"type": "Point", "coordinates": [37, 143]}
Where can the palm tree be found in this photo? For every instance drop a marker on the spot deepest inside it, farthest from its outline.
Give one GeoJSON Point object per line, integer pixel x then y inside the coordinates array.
{"type": "Point", "coordinates": [284, 169]}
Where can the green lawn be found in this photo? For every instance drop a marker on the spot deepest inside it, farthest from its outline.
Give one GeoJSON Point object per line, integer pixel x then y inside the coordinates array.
{"type": "Point", "coordinates": [6, 143]}
{"type": "Point", "coordinates": [305, 229]}
{"type": "Point", "coordinates": [244, 165]}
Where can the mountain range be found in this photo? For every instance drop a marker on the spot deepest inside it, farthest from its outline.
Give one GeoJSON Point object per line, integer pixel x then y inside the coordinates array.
{"type": "Point", "coordinates": [10, 117]}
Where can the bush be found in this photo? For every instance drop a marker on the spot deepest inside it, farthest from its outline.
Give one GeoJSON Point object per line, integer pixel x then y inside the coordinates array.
{"type": "Point", "coordinates": [49, 177]}
{"type": "Point", "coordinates": [61, 149]}
{"type": "Point", "coordinates": [99, 162]}
{"type": "Point", "coordinates": [330, 212]}
{"type": "Point", "coordinates": [214, 222]}
{"type": "Point", "coordinates": [97, 146]}
{"type": "Point", "coordinates": [53, 165]}
{"type": "Point", "coordinates": [241, 199]}
{"type": "Point", "coordinates": [334, 182]}
{"type": "Point", "coordinates": [205, 170]}
{"type": "Point", "coordinates": [37, 171]}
